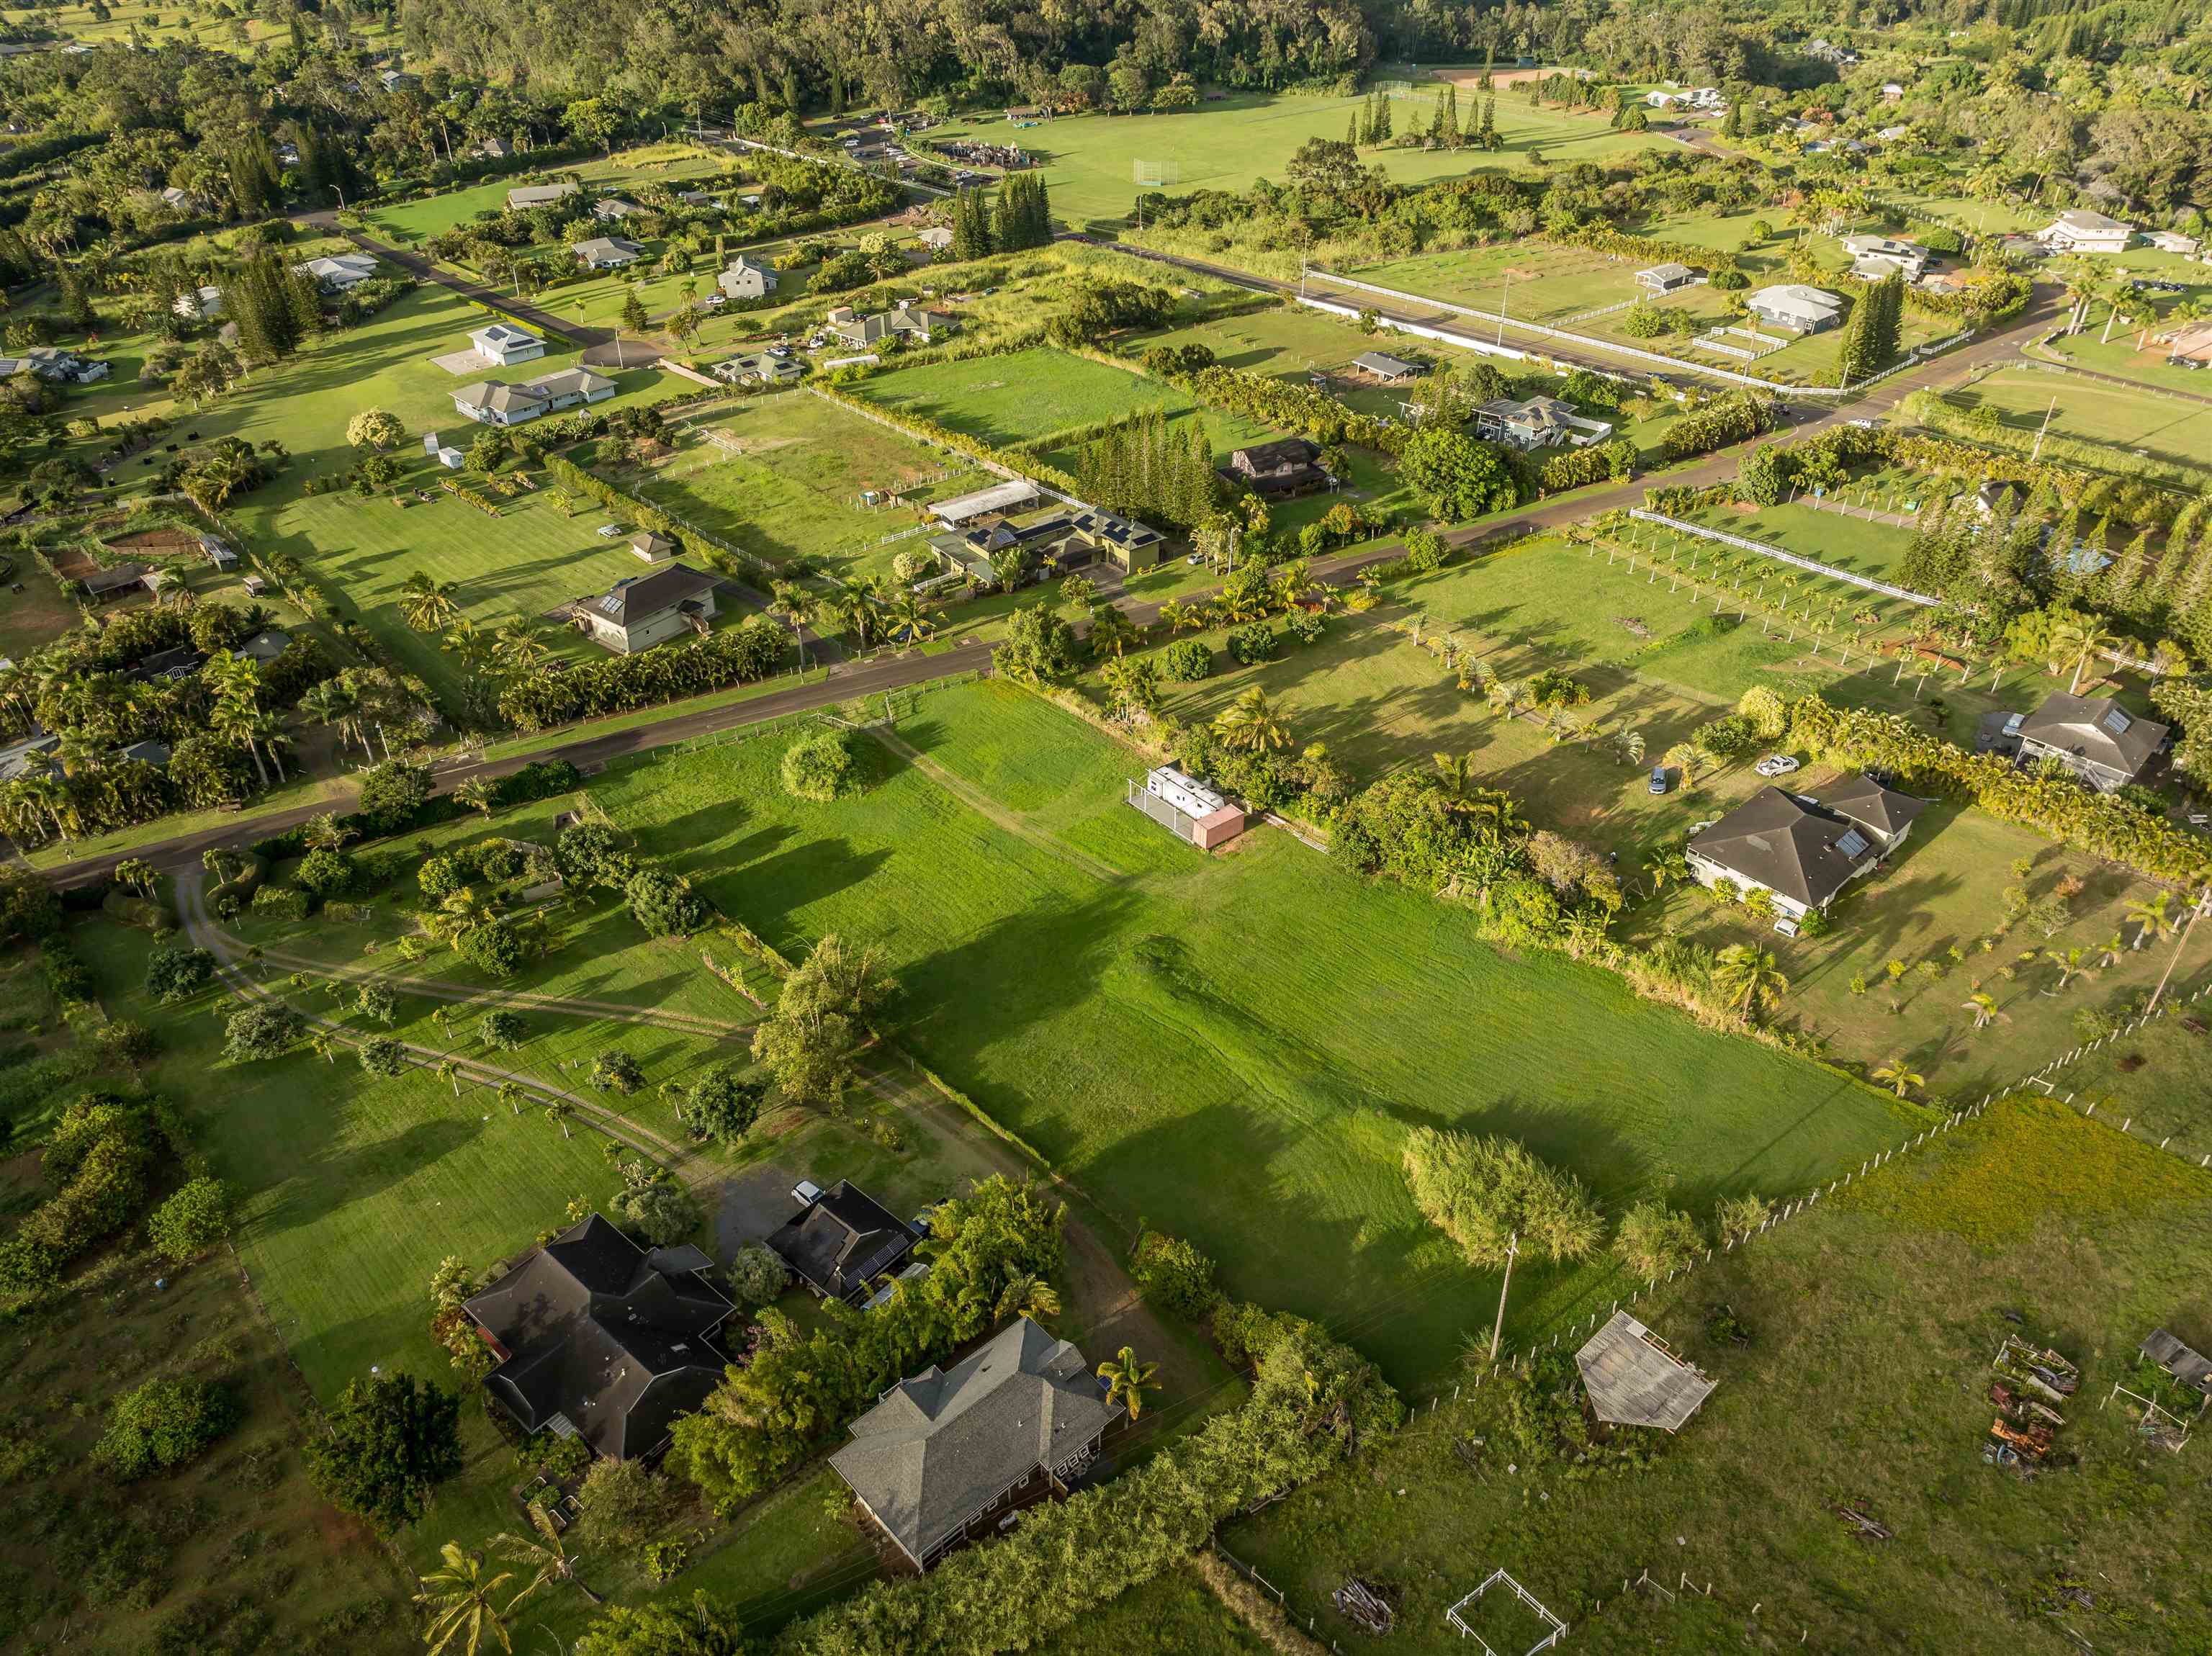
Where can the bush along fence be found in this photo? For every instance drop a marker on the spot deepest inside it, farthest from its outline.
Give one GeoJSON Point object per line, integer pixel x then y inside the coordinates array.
{"type": "Point", "coordinates": [1001, 463]}
{"type": "Point", "coordinates": [709, 550]}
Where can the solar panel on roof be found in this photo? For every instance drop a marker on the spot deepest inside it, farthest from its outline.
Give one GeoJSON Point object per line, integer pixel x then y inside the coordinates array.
{"type": "Point", "coordinates": [1852, 843]}
{"type": "Point", "coordinates": [2117, 721]}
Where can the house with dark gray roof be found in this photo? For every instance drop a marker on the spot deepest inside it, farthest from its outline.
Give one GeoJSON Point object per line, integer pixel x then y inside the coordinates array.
{"type": "Point", "coordinates": [640, 611]}
{"type": "Point", "coordinates": [1015, 1420]}
{"type": "Point", "coordinates": [843, 1240]}
{"type": "Point", "coordinates": [2093, 736]}
{"type": "Point", "coordinates": [600, 1339]}
{"type": "Point", "coordinates": [1800, 851]}
{"type": "Point", "coordinates": [1287, 466]}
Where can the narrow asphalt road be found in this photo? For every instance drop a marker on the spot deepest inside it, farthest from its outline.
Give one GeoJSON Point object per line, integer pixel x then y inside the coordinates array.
{"type": "Point", "coordinates": [848, 681]}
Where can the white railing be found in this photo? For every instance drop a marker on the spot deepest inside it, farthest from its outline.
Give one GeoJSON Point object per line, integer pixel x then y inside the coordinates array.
{"type": "Point", "coordinates": [1812, 565]}
{"type": "Point", "coordinates": [1591, 342]}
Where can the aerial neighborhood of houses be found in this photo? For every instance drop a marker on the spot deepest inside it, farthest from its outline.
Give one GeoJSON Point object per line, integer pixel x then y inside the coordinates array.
{"type": "Point", "coordinates": [1175, 829]}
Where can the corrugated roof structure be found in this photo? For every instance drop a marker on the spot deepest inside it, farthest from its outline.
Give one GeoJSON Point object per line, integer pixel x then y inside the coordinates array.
{"type": "Point", "coordinates": [1634, 1379]}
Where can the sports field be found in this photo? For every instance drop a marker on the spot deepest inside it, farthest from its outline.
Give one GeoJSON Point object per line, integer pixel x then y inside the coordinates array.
{"type": "Point", "coordinates": [1091, 160]}
{"type": "Point", "coordinates": [1230, 1046]}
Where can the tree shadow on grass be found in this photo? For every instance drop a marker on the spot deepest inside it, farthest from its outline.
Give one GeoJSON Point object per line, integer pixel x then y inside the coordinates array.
{"type": "Point", "coordinates": [341, 1175]}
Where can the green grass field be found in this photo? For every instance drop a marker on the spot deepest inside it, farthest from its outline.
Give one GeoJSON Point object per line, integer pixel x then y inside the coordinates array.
{"type": "Point", "coordinates": [789, 485]}
{"type": "Point", "coordinates": [1030, 396]}
{"type": "Point", "coordinates": [2172, 433]}
{"type": "Point", "coordinates": [1219, 1043]}
{"type": "Point", "coordinates": [1225, 145]}
{"type": "Point", "coordinates": [1534, 282]}
{"type": "Point", "coordinates": [1872, 1319]}
{"type": "Point", "coordinates": [410, 221]}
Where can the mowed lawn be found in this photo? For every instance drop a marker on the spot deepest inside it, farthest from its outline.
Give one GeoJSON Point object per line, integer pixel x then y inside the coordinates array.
{"type": "Point", "coordinates": [352, 1188]}
{"type": "Point", "coordinates": [2168, 430]}
{"type": "Point", "coordinates": [1089, 160]}
{"type": "Point", "coordinates": [784, 476]}
{"type": "Point", "coordinates": [1034, 394]}
{"type": "Point", "coordinates": [1531, 280]}
{"type": "Point", "coordinates": [414, 220]}
{"type": "Point", "coordinates": [1234, 1047]}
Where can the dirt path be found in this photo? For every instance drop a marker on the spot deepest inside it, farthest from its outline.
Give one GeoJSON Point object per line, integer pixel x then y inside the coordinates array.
{"type": "Point", "coordinates": [689, 1023]}
{"type": "Point", "coordinates": [676, 1158]}
{"type": "Point", "coordinates": [983, 805]}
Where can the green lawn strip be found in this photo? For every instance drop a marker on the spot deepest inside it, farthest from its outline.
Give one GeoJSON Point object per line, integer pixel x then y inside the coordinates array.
{"type": "Point", "coordinates": [1226, 144]}
{"type": "Point", "coordinates": [1872, 1319]}
{"type": "Point", "coordinates": [2123, 359]}
{"type": "Point", "coordinates": [2171, 431]}
{"type": "Point", "coordinates": [1210, 1039]}
{"type": "Point", "coordinates": [291, 796]}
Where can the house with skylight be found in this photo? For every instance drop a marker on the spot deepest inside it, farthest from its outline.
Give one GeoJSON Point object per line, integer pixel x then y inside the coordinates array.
{"type": "Point", "coordinates": [1800, 851]}
{"type": "Point", "coordinates": [2093, 736]}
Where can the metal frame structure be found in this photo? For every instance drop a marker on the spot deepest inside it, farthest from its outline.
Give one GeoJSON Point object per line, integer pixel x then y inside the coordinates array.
{"type": "Point", "coordinates": [1559, 1629]}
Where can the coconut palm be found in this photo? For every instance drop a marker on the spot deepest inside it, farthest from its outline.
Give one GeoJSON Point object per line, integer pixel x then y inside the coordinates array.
{"type": "Point", "coordinates": [511, 1094]}
{"type": "Point", "coordinates": [1747, 978]}
{"type": "Point", "coordinates": [1983, 1006]}
{"type": "Point", "coordinates": [1028, 1294]}
{"type": "Point", "coordinates": [461, 1600]}
{"type": "Point", "coordinates": [1126, 1378]}
{"type": "Point", "coordinates": [1453, 767]}
{"type": "Point", "coordinates": [1669, 864]}
{"type": "Point", "coordinates": [478, 795]}
{"type": "Point", "coordinates": [1251, 723]}
{"type": "Point", "coordinates": [2069, 962]}
{"type": "Point", "coordinates": [325, 832]}
{"type": "Point", "coordinates": [1180, 617]}
{"type": "Point", "coordinates": [2149, 916]}
{"type": "Point", "coordinates": [1506, 696]}
{"type": "Point", "coordinates": [798, 606]}
{"type": "Point", "coordinates": [2080, 641]}
{"type": "Point", "coordinates": [1629, 745]}
{"type": "Point", "coordinates": [519, 647]}
{"type": "Point", "coordinates": [428, 605]}
{"type": "Point", "coordinates": [1899, 1076]}
{"type": "Point", "coordinates": [335, 704]}
{"type": "Point", "coordinates": [911, 616]}
{"type": "Point", "coordinates": [2109, 951]}
{"type": "Point", "coordinates": [1111, 629]}
{"type": "Point", "coordinates": [547, 1555]}
{"type": "Point", "coordinates": [1683, 756]}
{"type": "Point", "coordinates": [560, 1112]}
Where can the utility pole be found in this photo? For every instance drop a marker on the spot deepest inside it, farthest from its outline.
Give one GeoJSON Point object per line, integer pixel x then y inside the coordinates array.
{"type": "Point", "coordinates": [2196, 914]}
{"type": "Point", "coordinates": [1503, 293]}
{"type": "Point", "coordinates": [1497, 1328]}
{"type": "Point", "coordinates": [2038, 450]}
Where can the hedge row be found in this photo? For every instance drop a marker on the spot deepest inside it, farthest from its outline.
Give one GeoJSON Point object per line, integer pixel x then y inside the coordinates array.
{"type": "Point", "coordinates": [736, 655]}
{"type": "Point", "coordinates": [942, 436]}
{"type": "Point", "coordinates": [540, 780]}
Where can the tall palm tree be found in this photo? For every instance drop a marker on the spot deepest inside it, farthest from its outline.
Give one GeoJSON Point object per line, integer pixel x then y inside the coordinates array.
{"type": "Point", "coordinates": [519, 645]}
{"type": "Point", "coordinates": [1111, 629]}
{"type": "Point", "coordinates": [1747, 978]}
{"type": "Point", "coordinates": [559, 1111]}
{"type": "Point", "coordinates": [428, 605]}
{"type": "Point", "coordinates": [2149, 916]}
{"type": "Point", "coordinates": [511, 1094]}
{"type": "Point", "coordinates": [911, 615]}
{"type": "Point", "coordinates": [1664, 865]}
{"type": "Point", "coordinates": [2082, 641]}
{"type": "Point", "coordinates": [1984, 1005]}
{"type": "Point", "coordinates": [1251, 725]}
{"type": "Point", "coordinates": [2109, 951]}
{"type": "Point", "coordinates": [1126, 1379]}
{"type": "Point", "coordinates": [460, 1600]}
{"type": "Point", "coordinates": [1506, 696]}
{"type": "Point", "coordinates": [1899, 1076]}
{"type": "Point", "coordinates": [547, 1555]}
{"type": "Point", "coordinates": [797, 605]}
{"type": "Point", "coordinates": [2069, 962]}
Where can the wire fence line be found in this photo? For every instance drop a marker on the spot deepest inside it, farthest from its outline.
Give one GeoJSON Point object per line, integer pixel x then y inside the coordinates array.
{"type": "Point", "coordinates": [1813, 566]}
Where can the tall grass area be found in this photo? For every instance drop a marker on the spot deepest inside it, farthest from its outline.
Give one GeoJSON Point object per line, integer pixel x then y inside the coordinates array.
{"type": "Point", "coordinates": [1869, 1321]}
{"type": "Point", "coordinates": [1233, 1047]}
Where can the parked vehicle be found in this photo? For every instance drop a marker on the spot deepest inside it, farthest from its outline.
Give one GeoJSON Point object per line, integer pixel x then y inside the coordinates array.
{"type": "Point", "coordinates": [1658, 779]}
{"type": "Point", "coordinates": [806, 1192]}
{"type": "Point", "coordinates": [1776, 764]}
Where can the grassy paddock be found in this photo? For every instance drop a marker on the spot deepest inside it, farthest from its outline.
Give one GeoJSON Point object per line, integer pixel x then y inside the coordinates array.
{"type": "Point", "coordinates": [1871, 1320]}
{"type": "Point", "coordinates": [1213, 1042]}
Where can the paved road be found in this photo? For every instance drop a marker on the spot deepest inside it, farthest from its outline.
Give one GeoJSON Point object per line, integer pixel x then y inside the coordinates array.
{"type": "Point", "coordinates": [848, 681]}
{"type": "Point", "coordinates": [325, 220]}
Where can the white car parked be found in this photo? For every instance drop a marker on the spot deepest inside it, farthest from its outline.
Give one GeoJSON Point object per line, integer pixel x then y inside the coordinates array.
{"type": "Point", "coordinates": [1776, 764]}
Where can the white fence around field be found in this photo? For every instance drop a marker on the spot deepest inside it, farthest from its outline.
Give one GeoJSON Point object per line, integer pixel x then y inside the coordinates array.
{"type": "Point", "coordinates": [1912, 359]}
{"type": "Point", "coordinates": [1812, 565]}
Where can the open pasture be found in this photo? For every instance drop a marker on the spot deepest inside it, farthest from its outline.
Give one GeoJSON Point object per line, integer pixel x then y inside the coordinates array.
{"type": "Point", "coordinates": [1220, 1044]}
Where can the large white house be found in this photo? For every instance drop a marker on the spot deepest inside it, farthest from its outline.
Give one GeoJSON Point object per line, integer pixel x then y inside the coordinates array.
{"type": "Point", "coordinates": [503, 345]}
{"type": "Point", "coordinates": [605, 252]}
{"type": "Point", "coordinates": [1800, 851]}
{"type": "Point", "coordinates": [524, 196]}
{"type": "Point", "coordinates": [339, 271]}
{"type": "Point", "coordinates": [1540, 423]}
{"type": "Point", "coordinates": [1876, 258]}
{"type": "Point", "coordinates": [495, 402]}
{"type": "Point", "coordinates": [746, 278]}
{"type": "Point", "coordinates": [1793, 306]}
{"type": "Point", "coordinates": [640, 611]}
{"type": "Point", "coordinates": [2078, 230]}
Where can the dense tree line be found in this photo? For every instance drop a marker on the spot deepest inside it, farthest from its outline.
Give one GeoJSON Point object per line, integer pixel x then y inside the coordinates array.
{"type": "Point", "coordinates": [735, 655]}
{"type": "Point", "coordinates": [1152, 470]}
